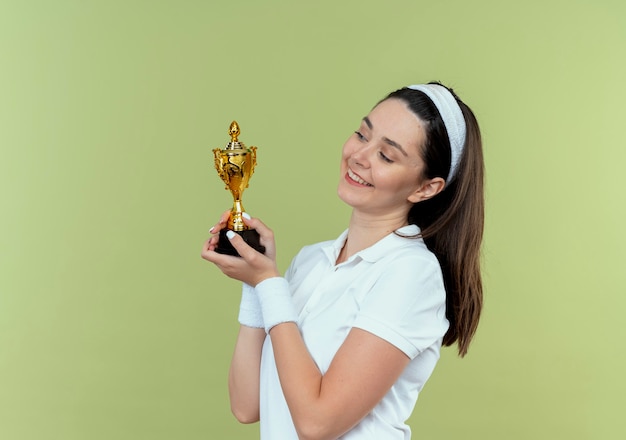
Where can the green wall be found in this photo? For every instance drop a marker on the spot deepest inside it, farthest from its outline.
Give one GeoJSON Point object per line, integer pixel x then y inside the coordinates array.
{"type": "Point", "coordinates": [112, 327]}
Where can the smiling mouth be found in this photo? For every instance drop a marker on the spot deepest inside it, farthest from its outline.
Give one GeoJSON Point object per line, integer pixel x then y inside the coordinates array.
{"type": "Point", "coordinates": [357, 179]}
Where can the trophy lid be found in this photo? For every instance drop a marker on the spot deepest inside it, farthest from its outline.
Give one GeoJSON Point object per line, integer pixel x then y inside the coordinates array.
{"type": "Point", "coordinates": [234, 131]}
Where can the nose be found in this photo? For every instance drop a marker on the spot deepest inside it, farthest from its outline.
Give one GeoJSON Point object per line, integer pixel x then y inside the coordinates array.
{"type": "Point", "coordinates": [361, 157]}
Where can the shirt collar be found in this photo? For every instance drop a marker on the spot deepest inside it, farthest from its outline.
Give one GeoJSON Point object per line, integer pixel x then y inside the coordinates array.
{"type": "Point", "coordinates": [379, 249]}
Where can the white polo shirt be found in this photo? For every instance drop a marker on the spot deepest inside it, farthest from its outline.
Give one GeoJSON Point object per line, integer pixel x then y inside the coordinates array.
{"type": "Point", "coordinates": [393, 289]}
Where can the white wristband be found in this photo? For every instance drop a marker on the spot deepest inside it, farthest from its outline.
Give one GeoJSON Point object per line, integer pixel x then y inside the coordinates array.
{"type": "Point", "coordinates": [250, 313]}
{"type": "Point", "coordinates": [276, 302]}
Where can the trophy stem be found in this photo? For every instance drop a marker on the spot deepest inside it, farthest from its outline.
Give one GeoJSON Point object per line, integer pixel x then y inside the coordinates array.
{"type": "Point", "coordinates": [235, 222]}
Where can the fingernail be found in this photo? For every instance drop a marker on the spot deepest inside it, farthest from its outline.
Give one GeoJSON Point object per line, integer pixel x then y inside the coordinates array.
{"type": "Point", "coordinates": [246, 215]}
{"type": "Point", "coordinates": [211, 230]}
{"type": "Point", "coordinates": [230, 234]}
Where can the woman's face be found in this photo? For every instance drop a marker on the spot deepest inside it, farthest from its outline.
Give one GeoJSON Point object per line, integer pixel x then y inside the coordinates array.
{"type": "Point", "coordinates": [381, 164]}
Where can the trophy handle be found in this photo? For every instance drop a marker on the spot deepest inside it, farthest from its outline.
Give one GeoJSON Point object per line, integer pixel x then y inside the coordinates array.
{"type": "Point", "coordinates": [252, 153]}
{"type": "Point", "coordinates": [219, 166]}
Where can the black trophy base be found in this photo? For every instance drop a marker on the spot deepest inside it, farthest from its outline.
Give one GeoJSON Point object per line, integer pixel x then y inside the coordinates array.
{"type": "Point", "coordinates": [250, 236]}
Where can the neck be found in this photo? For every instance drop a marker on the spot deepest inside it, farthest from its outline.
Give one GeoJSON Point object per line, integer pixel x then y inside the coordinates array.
{"type": "Point", "coordinates": [365, 230]}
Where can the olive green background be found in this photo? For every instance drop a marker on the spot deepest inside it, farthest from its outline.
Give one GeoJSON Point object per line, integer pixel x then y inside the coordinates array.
{"type": "Point", "coordinates": [112, 327]}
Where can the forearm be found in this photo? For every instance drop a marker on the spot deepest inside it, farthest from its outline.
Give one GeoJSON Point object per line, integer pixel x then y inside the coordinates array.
{"type": "Point", "coordinates": [302, 383]}
{"type": "Point", "coordinates": [243, 378]}
{"type": "Point", "coordinates": [300, 378]}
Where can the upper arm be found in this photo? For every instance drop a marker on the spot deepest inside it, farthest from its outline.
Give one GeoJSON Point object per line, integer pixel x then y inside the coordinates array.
{"type": "Point", "coordinates": [361, 373]}
{"type": "Point", "coordinates": [400, 316]}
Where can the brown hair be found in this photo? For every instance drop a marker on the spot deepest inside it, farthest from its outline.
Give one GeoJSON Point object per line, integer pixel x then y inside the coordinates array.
{"type": "Point", "coordinates": [452, 222]}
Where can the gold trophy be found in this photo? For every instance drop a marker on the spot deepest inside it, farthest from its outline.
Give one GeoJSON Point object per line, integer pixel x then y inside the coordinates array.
{"type": "Point", "coordinates": [235, 165]}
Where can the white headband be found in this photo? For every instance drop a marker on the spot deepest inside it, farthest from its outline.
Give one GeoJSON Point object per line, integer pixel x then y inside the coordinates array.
{"type": "Point", "coordinates": [452, 119]}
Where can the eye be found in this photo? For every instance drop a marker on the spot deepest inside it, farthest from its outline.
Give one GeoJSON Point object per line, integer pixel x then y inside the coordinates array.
{"type": "Point", "coordinates": [385, 158]}
{"type": "Point", "coordinates": [360, 136]}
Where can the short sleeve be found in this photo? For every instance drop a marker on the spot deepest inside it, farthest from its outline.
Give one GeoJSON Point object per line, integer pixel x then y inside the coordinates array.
{"type": "Point", "coordinates": [406, 305]}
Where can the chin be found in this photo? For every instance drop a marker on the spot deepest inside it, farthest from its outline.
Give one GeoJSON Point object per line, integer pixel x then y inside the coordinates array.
{"type": "Point", "coordinates": [341, 193]}
{"type": "Point", "coordinates": [346, 197]}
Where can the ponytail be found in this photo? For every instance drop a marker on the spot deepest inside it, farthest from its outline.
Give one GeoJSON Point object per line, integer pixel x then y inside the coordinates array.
{"type": "Point", "coordinates": [452, 222]}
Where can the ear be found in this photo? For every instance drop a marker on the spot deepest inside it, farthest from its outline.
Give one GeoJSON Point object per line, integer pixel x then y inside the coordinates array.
{"type": "Point", "coordinates": [429, 189]}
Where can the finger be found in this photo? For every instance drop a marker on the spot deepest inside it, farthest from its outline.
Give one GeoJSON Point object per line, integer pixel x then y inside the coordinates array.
{"type": "Point", "coordinates": [220, 260]}
{"type": "Point", "coordinates": [265, 233]}
{"type": "Point", "coordinates": [216, 228]}
{"type": "Point", "coordinates": [221, 224]}
{"type": "Point", "coordinates": [213, 242]}
{"type": "Point", "coordinates": [207, 249]}
{"type": "Point", "coordinates": [225, 216]}
{"type": "Point", "coordinates": [206, 245]}
{"type": "Point", "coordinates": [260, 227]}
{"type": "Point", "coordinates": [243, 248]}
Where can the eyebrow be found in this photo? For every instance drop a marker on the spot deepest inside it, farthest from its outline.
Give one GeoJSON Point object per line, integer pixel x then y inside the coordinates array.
{"type": "Point", "coordinates": [385, 139]}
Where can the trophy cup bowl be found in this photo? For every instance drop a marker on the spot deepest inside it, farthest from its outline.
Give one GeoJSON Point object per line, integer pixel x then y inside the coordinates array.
{"type": "Point", "coordinates": [235, 165]}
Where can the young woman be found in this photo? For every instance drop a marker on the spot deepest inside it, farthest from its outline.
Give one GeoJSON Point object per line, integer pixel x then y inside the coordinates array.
{"type": "Point", "coordinates": [342, 345]}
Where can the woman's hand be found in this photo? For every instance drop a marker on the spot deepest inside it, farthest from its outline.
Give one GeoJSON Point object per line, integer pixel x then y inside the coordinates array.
{"type": "Point", "coordinates": [252, 267]}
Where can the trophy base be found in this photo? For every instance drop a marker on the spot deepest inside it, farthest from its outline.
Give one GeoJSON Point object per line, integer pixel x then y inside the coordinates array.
{"type": "Point", "coordinates": [250, 236]}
